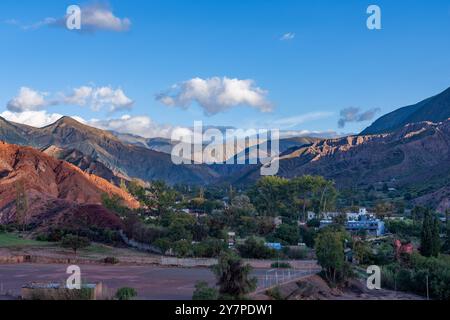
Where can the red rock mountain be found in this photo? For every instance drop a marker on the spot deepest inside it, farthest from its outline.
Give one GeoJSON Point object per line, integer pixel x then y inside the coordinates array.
{"type": "Point", "coordinates": [51, 185]}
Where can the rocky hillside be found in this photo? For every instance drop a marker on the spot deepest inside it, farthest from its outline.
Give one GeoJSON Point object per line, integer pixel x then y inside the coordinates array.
{"type": "Point", "coordinates": [434, 109]}
{"type": "Point", "coordinates": [50, 185]}
{"type": "Point", "coordinates": [417, 155]}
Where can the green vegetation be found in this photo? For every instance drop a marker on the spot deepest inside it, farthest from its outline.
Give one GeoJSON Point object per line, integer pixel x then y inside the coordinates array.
{"type": "Point", "coordinates": [75, 242]}
{"type": "Point", "coordinates": [233, 277]}
{"type": "Point", "coordinates": [255, 248]}
{"type": "Point", "coordinates": [14, 240]}
{"type": "Point", "coordinates": [204, 292]}
{"type": "Point", "coordinates": [430, 243]}
{"type": "Point", "coordinates": [330, 255]}
{"type": "Point", "coordinates": [125, 294]}
{"type": "Point", "coordinates": [412, 275]}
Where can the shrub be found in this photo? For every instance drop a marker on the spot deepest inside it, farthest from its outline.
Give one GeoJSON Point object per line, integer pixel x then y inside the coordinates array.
{"type": "Point", "coordinates": [182, 248]}
{"type": "Point", "coordinates": [204, 292]}
{"type": "Point", "coordinates": [210, 248]}
{"type": "Point", "coordinates": [254, 248]}
{"type": "Point", "coordinates": [125, 293]}
{"type": "Point", "coordinates": [111, 260]}
{"type": "Point", "coordinates": [275, 294]}
{"type": "Point", "coordinates": [412, 277]}
{"type": "Point", "coordinates": [295, 253]}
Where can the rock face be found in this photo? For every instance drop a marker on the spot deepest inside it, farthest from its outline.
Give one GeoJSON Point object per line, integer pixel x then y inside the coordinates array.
{"type": "Point", "coordinates": [434, 109]}
{"type": "Point", "coordinates": [417, 155]}
{"type": "Point", "coordinates": [51, 186]}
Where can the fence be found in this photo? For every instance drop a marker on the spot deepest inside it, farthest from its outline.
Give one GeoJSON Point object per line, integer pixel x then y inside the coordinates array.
{"type": "Point", "coordinates": [188, 263]}
{"type": "Point", "coordinates": [138, 245]}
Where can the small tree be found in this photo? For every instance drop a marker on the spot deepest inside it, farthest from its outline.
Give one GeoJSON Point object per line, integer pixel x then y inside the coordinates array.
{"type": "Point", "coordinates": [430, 241]}
{"type": "Point", "coordinates": [233, 277]}
{"type": "Point", "coordinates": [21, 204]}
{"type": "Point", "coordinates": [204, 292]}
{"type": "Point", "coordinates": [330, 254]}
{"type": "Point", "coordinates": [125, 294]}
{"type": "Point", "coordinates": [75, 242]}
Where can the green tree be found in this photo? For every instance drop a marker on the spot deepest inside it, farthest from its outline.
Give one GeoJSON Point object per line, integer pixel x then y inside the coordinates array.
{"type": "Point", "coordinates": [204, 292]}
{"type": "Point", "coordinates": [233, 277]}
{"type": "Point", "coordinates": [287, 234]}
{"type": "Point", "coordinates": [430, 240]}
{"type": "Point", "coordinates": [75, 242]}
{"type": "Point", "coordinates": [21, 204]}
{"type": "Point", "coordinates": [255, 248]}
{"type": "Point", "coordinates": [269, 195]}
{"type": "Point", "coordinates": [330, 254]}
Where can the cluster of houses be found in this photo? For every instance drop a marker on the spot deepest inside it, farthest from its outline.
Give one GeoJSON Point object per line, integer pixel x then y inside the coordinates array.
{"type": "Point", "coordinates": [360, 221]}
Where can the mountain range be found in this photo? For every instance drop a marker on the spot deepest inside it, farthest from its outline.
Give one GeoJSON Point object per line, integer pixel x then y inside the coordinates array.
{"type": "Point", "coordinates": [408, 148]}
{"type": "Point", "coordinates": [434, 109]}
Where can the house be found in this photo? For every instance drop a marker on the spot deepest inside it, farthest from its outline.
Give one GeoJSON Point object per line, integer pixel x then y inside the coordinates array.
{"type": "Point", "coordinates": [360, 221]}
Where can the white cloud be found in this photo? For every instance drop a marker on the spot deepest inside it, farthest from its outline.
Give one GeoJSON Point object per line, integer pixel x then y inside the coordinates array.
{"type": "Point", "coordinates": [291, 122]}
{"type": "Point", "coordinates": [96, 98]}
{"type": "Point", "coordinates": [138, 125]}
{"type": "Point", "coordinates": [216, 95]}
{"type": "Point", "coordinates": [287, 36]}
{"type": "Point", "coordinates": [28, 100]}
{"type": "Point", "coordinates": [93, 18]}
{"type": "Point", "coordinates": [101, 17]}
{"type": "Point", "coordinates": [37, 119]}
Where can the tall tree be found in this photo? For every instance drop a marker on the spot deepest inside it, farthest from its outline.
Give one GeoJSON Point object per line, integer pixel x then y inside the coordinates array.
{"type": "Point", "coordinates": [233, 277]}
{"type": "Point", "coordinates": [330, 254]}
{"type": "Point", "coordinates": [21, 204]}
{"type": "Point", "coordinates": [430, 241]}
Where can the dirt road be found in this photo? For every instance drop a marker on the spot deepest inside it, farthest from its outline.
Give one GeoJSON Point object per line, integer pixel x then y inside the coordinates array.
{"type": "Point", "coordinates": [151, 282]}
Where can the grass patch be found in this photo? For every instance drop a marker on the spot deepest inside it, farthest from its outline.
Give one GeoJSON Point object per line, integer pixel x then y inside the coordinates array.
{"type": "Point", "coordinates": [8, 240]}
{"type": "Point", "coordinates": [97, 249]}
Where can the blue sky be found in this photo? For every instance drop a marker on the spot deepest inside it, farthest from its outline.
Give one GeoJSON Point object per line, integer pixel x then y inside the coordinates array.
{"type": "Point", "coordinates": [327, 62]}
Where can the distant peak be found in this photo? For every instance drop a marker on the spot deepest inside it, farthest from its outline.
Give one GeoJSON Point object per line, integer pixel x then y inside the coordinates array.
{"type": "Point", "coordinates": [67, 120]}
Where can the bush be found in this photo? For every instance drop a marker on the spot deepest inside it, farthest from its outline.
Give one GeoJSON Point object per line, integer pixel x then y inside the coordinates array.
{"type": "Point", "coordinates": [111, 260]}
{"type": "Point", "coordinates": [125, 294]}
{"type": "Point", "coordinates": [295, 253]}
{"type": "Point", "coordinates": [275, 294]}
{"type": "Point", "coordinates": [204, 292]}
{"type": "Point", "coordinates": [412, 277]}
{"type": "Point", "coordinates": [2, 229]}
{"type": "Point", "coordinates": [254, 248]}
{"type": "Point", "coordinates": [182, 248]}
{"type": "Point", "coordinates": [210, 248]}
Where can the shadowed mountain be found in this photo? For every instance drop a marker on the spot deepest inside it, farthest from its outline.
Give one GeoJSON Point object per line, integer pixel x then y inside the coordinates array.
{"type": "Point", "coordinates": [434, 109]}
{"type": "Point", "coordinates": [416, 156]}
